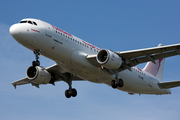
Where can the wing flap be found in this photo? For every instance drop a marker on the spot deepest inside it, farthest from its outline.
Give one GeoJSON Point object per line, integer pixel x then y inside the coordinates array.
{"type": "Point", "coordinates": [144, 59]}
{"type": "Point", "coordinates": [169, 84]}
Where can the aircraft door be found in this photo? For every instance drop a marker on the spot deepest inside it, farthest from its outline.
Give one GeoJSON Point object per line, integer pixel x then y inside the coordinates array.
{"type": "Point", "coordinates": [48, 29]}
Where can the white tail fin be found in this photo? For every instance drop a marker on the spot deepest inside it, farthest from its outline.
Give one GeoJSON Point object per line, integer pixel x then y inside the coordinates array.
{"type": "Point", "coordinates": [156, 69]}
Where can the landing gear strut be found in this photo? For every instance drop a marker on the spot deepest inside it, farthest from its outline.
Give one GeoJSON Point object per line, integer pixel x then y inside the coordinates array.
{"type": "Point", "coordinates": [71, 92]}
{"type": "Point", "coordinates": [117, 82]}
{"type": "Point", "coordinates": [37, 54]}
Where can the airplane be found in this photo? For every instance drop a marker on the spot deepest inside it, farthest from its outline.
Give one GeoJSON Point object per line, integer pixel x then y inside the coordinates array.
{"type": "Point", "coordinates": [78, 60]}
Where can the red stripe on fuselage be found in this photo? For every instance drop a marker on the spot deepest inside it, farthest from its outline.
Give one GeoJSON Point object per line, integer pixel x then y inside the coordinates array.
{"type": "Point", "coordinates": [90, 45]}
{"type": "Point", "coordinates": [139, 69]}
{"type": "Point", "coordinates": [62, 31]}
{"type": "Point", "coordinates": [35, 30]}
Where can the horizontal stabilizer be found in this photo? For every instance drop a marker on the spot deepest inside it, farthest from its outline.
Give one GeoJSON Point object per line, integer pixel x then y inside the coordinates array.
{"type": "Point", "coordinates": [169, 84]}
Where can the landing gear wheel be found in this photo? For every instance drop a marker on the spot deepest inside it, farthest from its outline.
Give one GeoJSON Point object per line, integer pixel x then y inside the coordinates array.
{"type": "Point", "coordinates": [120, 83]}
{"type": "Point", "coordinates": [36, 63]}
{"type": "Point", "coordinates": [68, 93]}
{"type": "Point", "coordinates": [113, 84]}
{"type": "Point", "coordinates": [73, 92]}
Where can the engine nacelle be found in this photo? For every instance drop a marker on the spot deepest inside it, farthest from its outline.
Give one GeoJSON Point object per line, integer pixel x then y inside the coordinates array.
{"type": "Point", "coordinates": [109, 59]}
{"type": "Point", "coordinates": [38, 75]}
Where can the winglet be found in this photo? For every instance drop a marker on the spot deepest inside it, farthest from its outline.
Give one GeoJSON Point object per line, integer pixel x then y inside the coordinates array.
{"type": "Point", "coordinates": [14, 85]}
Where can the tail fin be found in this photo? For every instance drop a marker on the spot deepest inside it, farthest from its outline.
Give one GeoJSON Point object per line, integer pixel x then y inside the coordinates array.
{"type": "Point", "coordinates": [156, 69]}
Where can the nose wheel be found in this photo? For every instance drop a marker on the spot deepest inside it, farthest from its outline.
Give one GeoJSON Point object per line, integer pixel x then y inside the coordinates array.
{"type": "Point", "coordinates": [37, 54]}
{"type": "Point", "coordinates": [36, 63]}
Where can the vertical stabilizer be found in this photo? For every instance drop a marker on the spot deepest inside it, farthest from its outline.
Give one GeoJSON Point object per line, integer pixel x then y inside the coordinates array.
{"type": "Point", "coordinates": [156, 69]}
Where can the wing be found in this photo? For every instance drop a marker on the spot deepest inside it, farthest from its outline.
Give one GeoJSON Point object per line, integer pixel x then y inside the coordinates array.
{"type": "Point", "coordinates": [92, 60]}
{"type": "Point", "coordinates": [21, 82]}
{"type": "Point", "coordinates": [169, 84]}
{"type": "Point", "coordinates": [54, 70]}
{"type": "Point", "coordinates": [135, 57]}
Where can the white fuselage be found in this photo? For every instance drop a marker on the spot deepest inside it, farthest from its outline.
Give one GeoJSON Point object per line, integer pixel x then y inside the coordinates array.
{"type": "Point", "coordinates": [70, 53]}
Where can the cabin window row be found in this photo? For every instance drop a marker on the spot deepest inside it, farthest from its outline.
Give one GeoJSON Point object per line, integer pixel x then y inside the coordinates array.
{"type": "Point", "coordinates": [75, 40]}
{"type": "Point", "coordinates": [136, 70]}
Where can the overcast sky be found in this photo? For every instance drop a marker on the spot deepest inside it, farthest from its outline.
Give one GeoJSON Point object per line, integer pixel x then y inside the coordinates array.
{"type": "Point", "coordinates": [118, 25]}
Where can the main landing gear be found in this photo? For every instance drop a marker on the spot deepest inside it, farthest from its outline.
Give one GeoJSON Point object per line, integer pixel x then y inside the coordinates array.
{"type": "Point", "coordinates": [117, 82]}
{"type": "Point", "coordinates": [37, 54]}
{"type": "Point", "coordinates": [71, 92]}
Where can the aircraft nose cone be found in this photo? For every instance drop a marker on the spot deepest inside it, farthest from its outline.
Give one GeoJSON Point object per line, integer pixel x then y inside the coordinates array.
{"type": "Point", "coordinates": [14, 31]}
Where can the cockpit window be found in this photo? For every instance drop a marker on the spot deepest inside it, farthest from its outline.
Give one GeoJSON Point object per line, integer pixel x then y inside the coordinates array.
{"type": "Point", "coordinates": [34, 23]}
{"type": "Point", "coordinates": [23, 22]}
{"type": "Point", "coordinates": [30, 22]}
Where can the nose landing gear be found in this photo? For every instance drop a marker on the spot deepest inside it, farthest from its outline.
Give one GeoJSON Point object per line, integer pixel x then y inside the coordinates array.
{"type": "Point", "coordinates": [37, 54]}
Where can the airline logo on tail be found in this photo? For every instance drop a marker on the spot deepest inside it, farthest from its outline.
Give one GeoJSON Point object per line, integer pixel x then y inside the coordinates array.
{"type": "Point", "coordinates": [155, 69]}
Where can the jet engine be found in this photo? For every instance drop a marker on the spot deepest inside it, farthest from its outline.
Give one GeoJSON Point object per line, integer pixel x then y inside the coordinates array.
{"type": "Point", "coordinates": [109, 59]}
{"type": "Point", "coordinates": [38, 75]}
